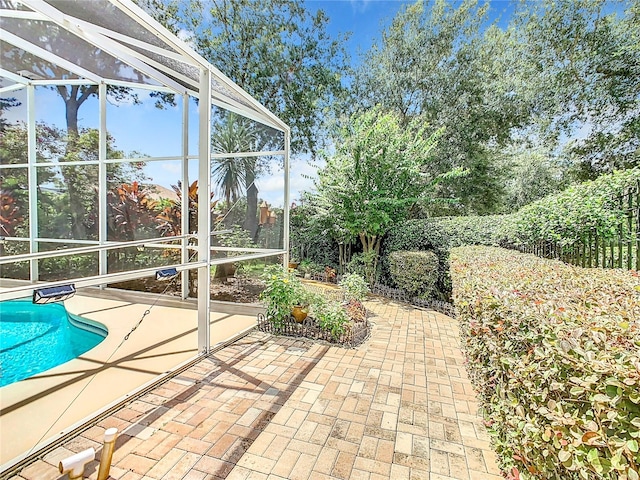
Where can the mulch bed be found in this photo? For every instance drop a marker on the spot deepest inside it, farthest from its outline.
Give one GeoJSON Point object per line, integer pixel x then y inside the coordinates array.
{"type": "Point", "coordinates": [238, 290]}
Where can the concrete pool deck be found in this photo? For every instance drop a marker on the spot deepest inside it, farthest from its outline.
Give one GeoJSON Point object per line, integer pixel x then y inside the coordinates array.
{"type": "Point", "coordinates": [398, 407]}
{"type": "Point", "coordinates": [41, 407]}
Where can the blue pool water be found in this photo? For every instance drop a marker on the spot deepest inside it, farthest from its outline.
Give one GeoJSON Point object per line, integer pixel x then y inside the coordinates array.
{"type": "Point", "coordinates": [35, 338]}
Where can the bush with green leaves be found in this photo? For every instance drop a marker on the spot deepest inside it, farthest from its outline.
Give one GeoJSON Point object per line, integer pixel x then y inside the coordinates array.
{"type": "Point", "coordinates": [580, 210]}
{"type": "Point", "coordinates": [363, 264]}
{"type": "Point", "coordinates": [330, 315]}
{"type": "Point", "coordinates": [307, 266]}
{"type": "Point", "coordinates": [422, 234]}
{"type": "Point", "coordinates": [283, 291]}
{"type": "Point", "coordinates": [355, 287]}
{"type": "Point", "coordinates": [415, 272]}
{"type": "Point", "coordinates": [474, 230]}
{"type": "Point", "coordinates": [554, 351]}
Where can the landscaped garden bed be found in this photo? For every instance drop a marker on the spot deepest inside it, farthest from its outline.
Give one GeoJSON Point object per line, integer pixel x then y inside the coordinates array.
{"type": "Point", "coordinates": [239, 289]}
{"type": "Point", "coordinates": [296, 309]}
{"type": "Point", "coordinates": [355, 332]}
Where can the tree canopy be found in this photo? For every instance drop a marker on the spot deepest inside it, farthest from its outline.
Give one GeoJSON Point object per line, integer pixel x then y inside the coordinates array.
{"type": "Point", "coordinates": [276, 50]}
{"type": "Point", "coordinates": [577, 63]}
{"type": "Point", "coordinates": [563, 77]}
{"type": "Point", "coordinates": [435, 63]}
{"type": "Point", "coordinates": [377, 174]}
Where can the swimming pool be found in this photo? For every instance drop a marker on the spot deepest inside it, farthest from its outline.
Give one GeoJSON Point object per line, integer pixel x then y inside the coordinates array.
{"type": "Point", "coordinates": [35, 338]}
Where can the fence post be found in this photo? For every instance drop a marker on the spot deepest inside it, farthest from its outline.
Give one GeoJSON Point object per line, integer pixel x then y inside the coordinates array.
{"type": "Point", "coordinates": [620, 233]}
{"type": "Point", "coordinates": [637, 215]}
{"type": "Point", "coordinates": [630, 227]}
{"type": "Point", "coordinates": [611, 245]}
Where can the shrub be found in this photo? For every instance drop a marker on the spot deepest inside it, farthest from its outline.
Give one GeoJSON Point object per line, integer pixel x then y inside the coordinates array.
{"type": "Point", "coordinates": [414, 272]}
{"type": "Point", "coordinates": [307, 266]}
{"type": "Point", "coordinates": [424, 234]}
{"type": "Point", "coordinates": [474, 230]}
{"type": "Point", "coordinates": [310, 237]}
{"type": "Point", "coordinates": [331, 316]}
{"type": "Point", "coordinates": [283, 291]}
{"type": "Point", "coordinates": [365, 265]}
{"type": "Point", "coordinates": [418, 235]}
{"type": "Point", "coordinates": [567, 217]}
{"type": "Point", "coordinates": [354, 286]}
{"type": "Point", "coordinates": [554, 351]}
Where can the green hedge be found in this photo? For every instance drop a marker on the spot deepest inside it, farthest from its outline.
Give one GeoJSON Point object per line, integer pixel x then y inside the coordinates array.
{"type": "Point", "coordinates": [572, 214]}
{"type": "Point", "coordinates": [554, 351]}
{"type": "Point", "coordinates": [474, 230]}
{"type": "Point", "coordinates": [415, 272]}
{"type": "Point", "coordinates": [418, 235]}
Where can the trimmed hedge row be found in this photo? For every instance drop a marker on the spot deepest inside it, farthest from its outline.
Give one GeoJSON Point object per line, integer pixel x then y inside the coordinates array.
{"type": "Point", "coordinates": [423, 235]}
{"type": "Point", "coordinates": [554, 351]}
{"type": "Point", "coordinates": [474, 230]}
{"type": "Point", "coordinates": [415, 272]}
{"type": "Point", "coordinates": [569, 216]}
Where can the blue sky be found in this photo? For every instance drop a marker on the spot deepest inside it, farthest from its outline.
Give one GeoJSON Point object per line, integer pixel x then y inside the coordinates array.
{"type": "Point", "coordinates": [367, 18]}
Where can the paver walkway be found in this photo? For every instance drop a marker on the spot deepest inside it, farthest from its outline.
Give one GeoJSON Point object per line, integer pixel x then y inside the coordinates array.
{"type": "Point", "coordinates": [399, 407]}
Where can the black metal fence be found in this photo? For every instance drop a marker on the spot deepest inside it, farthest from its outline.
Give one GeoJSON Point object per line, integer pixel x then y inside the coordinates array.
{"type": "Point", "coordinates": [397, 294]}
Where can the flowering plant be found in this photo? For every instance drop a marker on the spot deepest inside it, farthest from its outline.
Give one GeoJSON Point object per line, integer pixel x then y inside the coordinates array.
{"type": "Point", "coordinates": [283, 291]}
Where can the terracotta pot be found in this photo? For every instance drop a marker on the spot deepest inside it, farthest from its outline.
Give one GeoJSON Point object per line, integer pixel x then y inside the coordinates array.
{"type": "Point", "coordinates": [299, 313]}
{"type": "Point", "coordinates": [293, 265]}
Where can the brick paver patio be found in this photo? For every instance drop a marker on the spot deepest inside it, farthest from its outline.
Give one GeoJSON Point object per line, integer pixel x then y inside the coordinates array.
{"type": "Point", "coordinates": [399, 407]}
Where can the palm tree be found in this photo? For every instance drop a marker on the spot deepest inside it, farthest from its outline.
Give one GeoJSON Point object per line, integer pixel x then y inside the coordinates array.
{"type": "Point", "coordinates": [231, 174]}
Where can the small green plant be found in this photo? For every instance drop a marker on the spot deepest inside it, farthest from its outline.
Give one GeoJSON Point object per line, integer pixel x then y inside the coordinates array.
{"type": "Point", "coordinates": [330, 316]}
{"type": "Point", "coordinates": [364, 264]}
{"type": "Point", "coordinates": [307, 266]}
{"type": "Point", "coordinates": [283, 291]}
{"type": "Point", "coordinates": [355, 287]}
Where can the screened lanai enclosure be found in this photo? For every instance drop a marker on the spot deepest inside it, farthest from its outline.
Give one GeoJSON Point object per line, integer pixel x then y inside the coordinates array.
{"type": "Point", "coordinates": [124, 152]}
{"type": "Point", "coordinates": [127, 161]}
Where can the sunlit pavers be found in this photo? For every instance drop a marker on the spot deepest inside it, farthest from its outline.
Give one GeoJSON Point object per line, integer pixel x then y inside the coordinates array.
{"type": "Point", "coordinates": [400, 406]}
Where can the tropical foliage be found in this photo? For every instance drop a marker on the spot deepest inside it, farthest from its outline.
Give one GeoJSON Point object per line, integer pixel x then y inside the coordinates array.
{"type": "Point", "coordinates": [131, 213]}
{"type": "Point", "coordinates": [554, 353]}
{"type": "Point", "coordinates": [10, 215]}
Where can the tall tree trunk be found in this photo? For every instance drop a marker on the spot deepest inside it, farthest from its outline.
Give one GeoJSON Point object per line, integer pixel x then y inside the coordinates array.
{"type": "Point", "coordinates": [73, 98]}
{"type": "Point", "coordinates": [371, 250]}
{"type": "Point", "coordinates": [251, 220]}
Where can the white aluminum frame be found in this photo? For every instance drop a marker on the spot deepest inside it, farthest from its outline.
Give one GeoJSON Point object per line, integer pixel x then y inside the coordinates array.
{"type": "Point", "coordinates": [117, 44]}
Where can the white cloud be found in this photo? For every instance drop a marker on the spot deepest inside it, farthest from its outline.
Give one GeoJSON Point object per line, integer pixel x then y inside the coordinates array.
{"type": "Point", "coordinates": [187, 37]}
{"type": "Point", "coordinates": [359, 6]}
